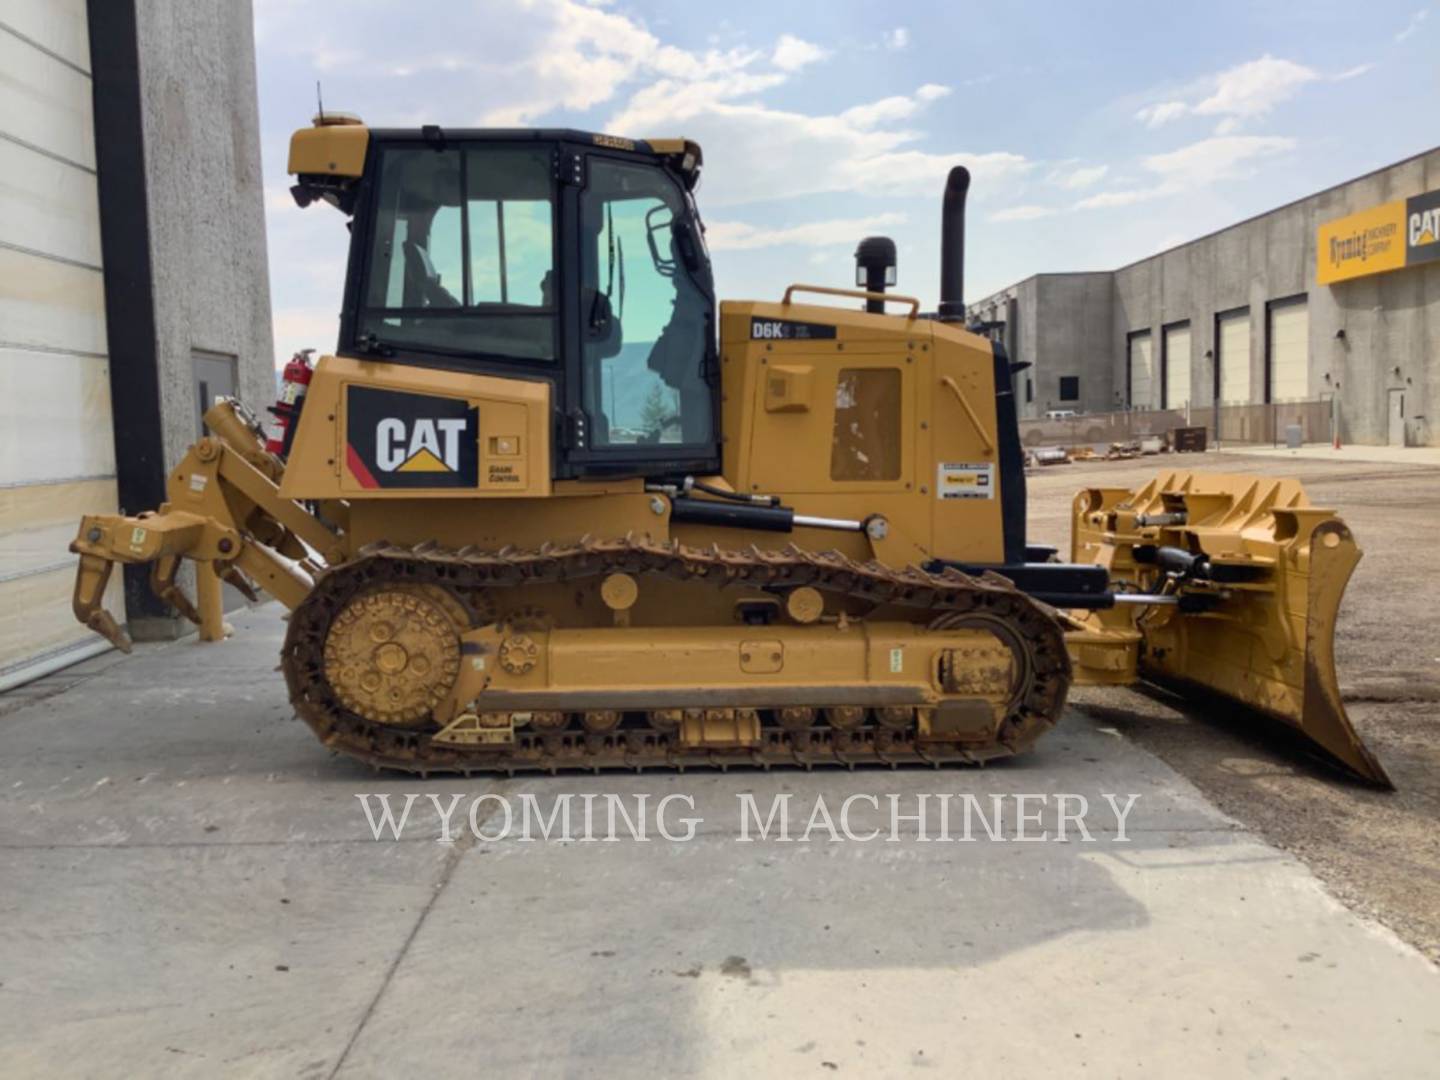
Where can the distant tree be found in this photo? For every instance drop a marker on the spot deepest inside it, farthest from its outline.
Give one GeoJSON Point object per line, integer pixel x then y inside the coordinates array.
{"type": "Point", "coordinates": [655, 414]}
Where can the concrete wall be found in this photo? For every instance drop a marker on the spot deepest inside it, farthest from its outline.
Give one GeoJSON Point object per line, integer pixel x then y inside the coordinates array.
{"type": "Point", "coordinates": [183, 230]}
{"type": "Point", "coordinates": [207, 219]}
{"type": "Point", "coordinates": [1391, 321]}
{"type": "Point", "coordinates": [1074, 339]}
{"type": "Point", "coordinates": [1011, 314]}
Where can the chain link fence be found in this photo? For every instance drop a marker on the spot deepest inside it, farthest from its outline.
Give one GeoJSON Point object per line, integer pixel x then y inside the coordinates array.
{"type": "Point", "coordinates": [1097, 429]}
{"type": "Point", "coordinates": [1256, 425]}
{"type": "Point", "coordinates": [1268, 424]}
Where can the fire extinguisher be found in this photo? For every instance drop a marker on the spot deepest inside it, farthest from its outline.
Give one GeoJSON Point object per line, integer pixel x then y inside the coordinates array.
{"type": "Point", "coordinates": [286, 409]}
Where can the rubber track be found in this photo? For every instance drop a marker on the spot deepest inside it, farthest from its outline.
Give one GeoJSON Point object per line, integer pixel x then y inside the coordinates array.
{"type": "Point", "coordinates": [940, 595]}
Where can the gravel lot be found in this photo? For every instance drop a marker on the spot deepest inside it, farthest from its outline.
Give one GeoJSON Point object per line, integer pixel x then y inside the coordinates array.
{"type": "Point", "coordinates": [1377, 851]}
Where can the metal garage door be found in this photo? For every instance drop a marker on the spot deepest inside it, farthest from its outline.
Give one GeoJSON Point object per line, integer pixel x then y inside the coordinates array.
{"type": "Point", "coordinates": [56, 444]}
{"type": "Point", "coordinates": [1177, 366]}
{"type": "Point", "coordinates": [1289, 337]}
{"type": "Point", "coordinates": [1142, 371]}
{"type": "Point", "coordinates": [1233, 337]}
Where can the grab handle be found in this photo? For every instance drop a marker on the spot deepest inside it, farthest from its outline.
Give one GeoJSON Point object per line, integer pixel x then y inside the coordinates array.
{"type": "Point", "coordinates": [859, 294]}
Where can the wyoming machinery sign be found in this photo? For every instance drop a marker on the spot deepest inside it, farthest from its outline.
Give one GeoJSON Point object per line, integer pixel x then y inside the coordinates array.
{"type": "Point", "coordinates": [1402, 233]}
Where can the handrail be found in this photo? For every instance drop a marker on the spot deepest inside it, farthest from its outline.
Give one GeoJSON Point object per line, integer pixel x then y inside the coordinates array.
{"type": "Point", "coordinates": [954, 387]}
{"type": "Point", "coordinates": [859, 294]}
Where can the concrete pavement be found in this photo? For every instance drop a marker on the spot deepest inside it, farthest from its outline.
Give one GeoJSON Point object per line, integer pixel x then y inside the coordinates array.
{"type": "Point", "coordinates": [1347, 454]}
{"type": "Point", "coordinates": [188, 887]}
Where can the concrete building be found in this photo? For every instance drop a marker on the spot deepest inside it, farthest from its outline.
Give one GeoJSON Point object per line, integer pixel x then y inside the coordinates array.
{"type": "Point", "coordinates": [132, 281]}
{"type": "Point", "coordinates": [1334, 297]}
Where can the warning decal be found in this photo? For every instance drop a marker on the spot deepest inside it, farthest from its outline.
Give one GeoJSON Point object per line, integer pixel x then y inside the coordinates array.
{"type": "Point", "coordinates": [965, 480]}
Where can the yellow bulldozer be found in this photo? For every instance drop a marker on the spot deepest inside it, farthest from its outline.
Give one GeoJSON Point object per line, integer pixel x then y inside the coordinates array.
{"type": "Point", "coordinates": [550, 506]}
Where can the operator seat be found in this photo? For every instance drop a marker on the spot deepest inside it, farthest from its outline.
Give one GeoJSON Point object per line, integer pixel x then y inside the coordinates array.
{"type": "Point", "coordinates": [422, 282]}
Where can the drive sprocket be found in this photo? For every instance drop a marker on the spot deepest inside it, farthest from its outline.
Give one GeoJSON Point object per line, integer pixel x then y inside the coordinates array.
{"type": "Point", "coordinates": [393, 653]}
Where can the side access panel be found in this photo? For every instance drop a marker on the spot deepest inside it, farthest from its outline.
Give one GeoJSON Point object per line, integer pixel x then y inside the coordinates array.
{"type": "Point", "coordinates": [376, 430]}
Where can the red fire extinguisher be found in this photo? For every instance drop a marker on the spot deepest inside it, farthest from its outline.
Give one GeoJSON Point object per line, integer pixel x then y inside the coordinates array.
{"type": "Point", "coordinates": [286, 409]}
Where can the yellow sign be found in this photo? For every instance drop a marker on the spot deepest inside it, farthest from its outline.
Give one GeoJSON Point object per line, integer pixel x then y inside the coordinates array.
{"type": "Point", "coordinates": [1369, 242]}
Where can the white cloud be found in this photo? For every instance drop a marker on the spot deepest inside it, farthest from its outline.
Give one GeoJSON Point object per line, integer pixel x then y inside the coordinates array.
{"type": "Point", "coordinates": [891, 109]}
{"type": "Point", "coordinates": [305, 328]}
{"type": "Point", "coordinates": [572, 63]}
{"type": "Point", "coordinates": [1023, 213]}
{"type": "Point", "coordinates": [544, 59]}
{"type": "Point", "coordinates": [1162, 113]}
{"type": "Point", "coordinates": [1080, 177]}
{"type": "Point", "coordinates": [1352, 73]}
{"type": "Point", "coordinates": [742, 236]}
{"type": "Point", "coordinates": [672, 101]}
{"type": "Point", "coordinates": [1244, 92]}
{"type": "Point", "coordinates": [1253, 89]}
{"type": "Point", "coordinates": [1413, 26]}
{"type": "Point", "coordinates": [1122, 197]}
{"type": "Point", "coordinates": [577, 57]}
{"type": "Point", "coordinates": [917, 172]}
{"type": "Point", "coordinates": [1221, 157]}
{"type": "Point", "coordinates": [758, 152]}
{"type": "Point", "coordinates": [540, 56]}
{"type": "Point", "coordinates": [897, 39]}
{"type": "Point", "coordinates": [792, 53]}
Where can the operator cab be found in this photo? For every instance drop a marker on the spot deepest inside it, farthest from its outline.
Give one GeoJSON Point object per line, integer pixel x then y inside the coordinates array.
{"type": "Point", "coordinates": [462, 256]}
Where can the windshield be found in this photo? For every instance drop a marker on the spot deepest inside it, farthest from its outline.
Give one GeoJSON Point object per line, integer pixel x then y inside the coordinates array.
{"type": "Point", "coordinates": [645, 303]}
{"type": "Point", "coordinates": [463, 250]}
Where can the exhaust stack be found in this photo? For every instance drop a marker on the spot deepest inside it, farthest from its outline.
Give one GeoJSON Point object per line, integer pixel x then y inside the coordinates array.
{"type": "Point", "coordinates": [952, 245]}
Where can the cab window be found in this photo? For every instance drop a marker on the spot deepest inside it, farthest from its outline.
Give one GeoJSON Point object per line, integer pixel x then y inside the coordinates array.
{"type": "Point", "coordinates": [463, 253]}
{"type": "Point", "coordinates": [644, 303]}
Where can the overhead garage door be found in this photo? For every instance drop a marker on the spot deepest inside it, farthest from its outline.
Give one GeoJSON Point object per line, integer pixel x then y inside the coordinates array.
{"type": "Point", "coordinates": [1142, 371]}
{"type": "Point", "coordinates": [1289, 337]}
{"type": "Point", "coordinates": [1177, 366]}
{"type": "Point", "coordinates": [1233, 334]}
{"type": "Point", "coordinates": [56, 443]}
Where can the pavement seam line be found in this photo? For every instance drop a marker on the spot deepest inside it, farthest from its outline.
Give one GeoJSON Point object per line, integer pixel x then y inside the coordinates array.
{"type": "Point", "coordinates": [358, 841]}
{"type": "Point", "coordinates": [447, 871]}
{"type": "Point", "coordinates": [216, 844]}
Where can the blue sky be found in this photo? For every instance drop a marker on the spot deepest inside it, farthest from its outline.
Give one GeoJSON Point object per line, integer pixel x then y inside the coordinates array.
{"type": "Point", "coordinates": [1097, 133]}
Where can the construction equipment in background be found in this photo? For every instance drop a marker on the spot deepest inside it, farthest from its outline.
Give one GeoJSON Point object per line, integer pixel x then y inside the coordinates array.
{"type": "Point", "coordinates": [1188, 440]}
{"type": "Point", "coordinates": [516, 529]}
{"type": "Point", "coordinates": [1050, 455]}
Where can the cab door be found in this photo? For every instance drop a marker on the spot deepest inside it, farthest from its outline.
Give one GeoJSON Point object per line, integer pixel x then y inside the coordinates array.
{"type": "Point", "coordinates": [641, 381]}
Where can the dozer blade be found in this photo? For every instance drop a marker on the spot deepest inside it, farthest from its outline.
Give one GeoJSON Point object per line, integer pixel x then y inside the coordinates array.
{"type": "Point", "coordinates": [1256, 575]}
